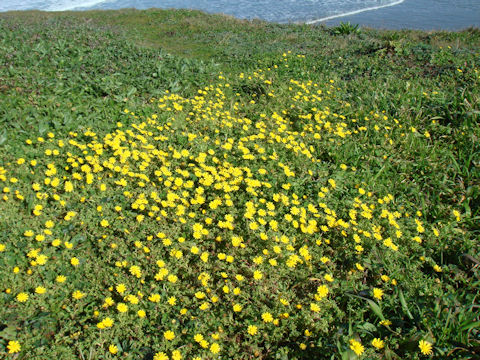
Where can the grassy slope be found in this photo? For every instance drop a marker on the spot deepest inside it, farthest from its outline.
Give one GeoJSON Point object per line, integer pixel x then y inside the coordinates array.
{"type": "Point", "coordinates": [62, 71]}
{"type": "Point", "coordinates": [387, 71]}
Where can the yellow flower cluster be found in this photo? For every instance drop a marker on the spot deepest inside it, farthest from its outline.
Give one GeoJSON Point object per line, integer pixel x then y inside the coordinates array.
{"type": "Point", "coordinates": [206, 223]}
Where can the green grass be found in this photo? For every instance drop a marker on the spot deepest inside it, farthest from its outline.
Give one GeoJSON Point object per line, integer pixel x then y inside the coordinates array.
{"type": "Point", "coordinates": [408, 100]}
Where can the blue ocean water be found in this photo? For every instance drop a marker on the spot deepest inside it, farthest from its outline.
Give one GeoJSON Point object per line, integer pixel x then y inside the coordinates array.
{"type": "Point", "coordinates": [419, 14]}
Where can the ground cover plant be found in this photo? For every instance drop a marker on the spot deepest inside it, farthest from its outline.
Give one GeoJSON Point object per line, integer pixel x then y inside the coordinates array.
{"type": "Point", "coordinates": [312, 201]}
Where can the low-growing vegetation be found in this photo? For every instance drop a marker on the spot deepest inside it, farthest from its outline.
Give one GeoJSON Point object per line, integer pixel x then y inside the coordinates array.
{"type": "Point", "coordinates": [316, 198]}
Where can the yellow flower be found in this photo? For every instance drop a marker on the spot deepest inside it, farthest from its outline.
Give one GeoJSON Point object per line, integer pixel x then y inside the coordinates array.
{"type": "Point", "coordinates": [141, 313]}
{"type": "Point", "coordinates": [113, 349]}
{"type": "Point", "coordinates": [357, 347]}
{"type": "Point", "coordinates": [121, 307]}
{"type": "Point", "coordinates": [40, 237]}
{"type": "Point", "coordinates": [169, 335]}
{"type": "Point", "coordinates": [457, 215]}
{"type": "Point", "coordinates": [132, 299]}
{"type": "Point", "coordinates": [322, 291]}
{"type": "Point", "coordinates": [56, 242]}
{"type": "Point", "coordinates": [108, 302]}
{"type": "Point", "coordinates": [68, 186]}
{"type": "Point", "coordinates": [172, 300]}
{"type": "Point", "coordinates": [136, 271]}
{"type": "Point", "coordinates": [267, 317]}
{"type": "Point", "coordinates": [328, 277]}
{"type": "Point", "coordinates": [28, 233]}
{"type": "Point", "coordinates": [13, 347]}
{"type": "Point", "coordinates": [378, 343]}
{"type": "Point", "coordinates": [425, 347]}
{"type": "Point", "coordinates": [160, 356]}
{"type": "Point", "coordinates": [204, 256]}
{"type": "Point", "coordinates": [22, 297]}
{"type": "Point", "coordinates": [194, 250]}
{"type": "Point", "coordinates": [214, 348]}
{"type": "Point", "coordinates": [77, 294]}
{"type": "Point", "coordinates": [284, 302]}
{"type": "Point", "coordinates": [40, 290]}
{"type": "Point", "coordinates": [154, 298]}
{"type": "Point", "coordinates": [377, 293]}
{"type": "Point", "coordinates": [70, 215]}
{"type": "Point", "coordinates": [41, 259]}
{"type": "Point", "coordinates": [176, 355]}
{"type": "Point", "coordinates": [257, 275]}
{"type": "Point", "coordinates": [252, 330]}
{"type": "Point", "coordinates": [105, 323]}
{"type": "Point", "coordinates": [104, 223]}
{"type": "Point", "coordinates": [74, 261]}
{"type": "Point", "coordinates": [236, 241]}
{"type": "Point", "coordinates": [121, 288]}
{"type": "Point", "coordinates": [61, 279]}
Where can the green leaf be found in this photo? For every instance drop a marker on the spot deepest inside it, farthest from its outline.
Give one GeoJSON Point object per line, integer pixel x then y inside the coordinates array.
{"type": "Point", "coordinates": [8, 333]}
{"type": "Point", "coordinates": [375, 308]}
{"type": "Point", "coordinates": [390, 355]}
{"type": "Point", "coordinates": [404, 304]}
{"type": "Point", "coordinates": [367, 327]}
{"type": "Point", "coordinates": [131, 91]}
{"type": "Point", "coordinates": [470, 325]}
{"type": "Point", "coordinates": [79, 238]}
{"type": "Point", "coordinates": [373, 305]}
{"type": "Point", "coordinates": [3, 137]}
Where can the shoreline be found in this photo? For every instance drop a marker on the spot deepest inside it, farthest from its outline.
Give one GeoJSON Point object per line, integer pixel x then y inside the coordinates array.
{"type": "Point", "coordinates": [312, 22]}
{"type": "Point", "coordinates": [413, 15]}
{"type": "Point", "coordinates": [399, 15]}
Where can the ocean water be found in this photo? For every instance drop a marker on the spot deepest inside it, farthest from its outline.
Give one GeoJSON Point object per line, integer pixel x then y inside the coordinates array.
{"type": "Point", "coordinates": [451, 14]}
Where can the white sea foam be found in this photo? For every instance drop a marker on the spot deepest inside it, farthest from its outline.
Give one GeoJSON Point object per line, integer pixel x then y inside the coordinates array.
{"type": "Point", "coordinates": [47, 5]}
{"type": "Point", "coordinates": [354, 12]}
{"type": "Point", "coordinates": [72, 4]}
